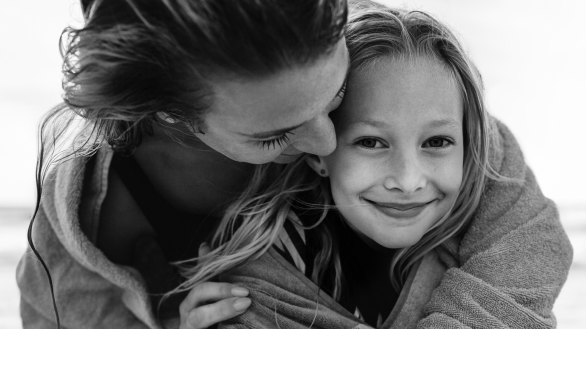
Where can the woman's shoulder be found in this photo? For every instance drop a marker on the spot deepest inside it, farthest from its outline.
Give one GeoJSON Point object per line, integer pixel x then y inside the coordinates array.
{"type": "Point", "coordinates": [88, 191]}
{"type": "Point", "coordinates": [71, 189]}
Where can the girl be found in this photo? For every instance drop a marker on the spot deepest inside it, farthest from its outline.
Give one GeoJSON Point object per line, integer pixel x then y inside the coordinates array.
{"type": "Point", "coordinates": [171, 102]}
{"type": "Point", "coordinates": [413, 158]}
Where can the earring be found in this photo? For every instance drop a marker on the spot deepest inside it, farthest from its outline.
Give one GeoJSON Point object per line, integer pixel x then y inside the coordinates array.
{"type": "Point", "coordinates": [322, 172]}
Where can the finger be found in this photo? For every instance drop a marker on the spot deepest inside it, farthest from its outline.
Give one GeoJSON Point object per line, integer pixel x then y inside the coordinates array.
{"type": "Point", "coordinates": [207, 292]}
{"type": "Point", "coordinates": [208, 315]}
{"type": "Point", "coordinates": [204, 249]}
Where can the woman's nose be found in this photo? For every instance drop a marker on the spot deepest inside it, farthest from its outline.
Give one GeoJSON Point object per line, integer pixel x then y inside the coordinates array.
{"type": "Point", "coordinates": [319, 137]}
{"type": "Point", "coordinates": [405, 174]}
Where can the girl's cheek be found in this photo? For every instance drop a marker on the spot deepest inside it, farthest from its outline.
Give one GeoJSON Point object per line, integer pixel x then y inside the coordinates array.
{"type": "Point", "coordinates": [448, 176]}
{"type": "Point", "coordinates": [351, 174]}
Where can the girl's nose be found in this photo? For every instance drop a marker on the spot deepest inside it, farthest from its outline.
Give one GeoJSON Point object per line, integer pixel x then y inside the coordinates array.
{"type": "Point", "coordinates": [405, 174]}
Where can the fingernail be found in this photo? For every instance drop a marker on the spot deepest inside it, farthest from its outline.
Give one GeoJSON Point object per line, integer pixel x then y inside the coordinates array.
{"type": "Point", "coordinates": [237, 291]}
{"type": "Point", "coordinates": [242, 303]}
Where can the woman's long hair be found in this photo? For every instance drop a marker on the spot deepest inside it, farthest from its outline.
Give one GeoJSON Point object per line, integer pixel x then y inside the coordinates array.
{"type": "Point", "coordinates": [251, 226]}
{"type": "Point", "coordinates": [134, 58]}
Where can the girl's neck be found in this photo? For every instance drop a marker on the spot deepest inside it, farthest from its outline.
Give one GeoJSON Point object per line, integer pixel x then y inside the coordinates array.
{"type": "Point", "coordinates": [191, 176]}
{"type": "Point", "coordinates": [383, 253]}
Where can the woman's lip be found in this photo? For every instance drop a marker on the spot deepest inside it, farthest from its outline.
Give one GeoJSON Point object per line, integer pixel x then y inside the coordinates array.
{"type": "Point", "coordinates": [399, 206]}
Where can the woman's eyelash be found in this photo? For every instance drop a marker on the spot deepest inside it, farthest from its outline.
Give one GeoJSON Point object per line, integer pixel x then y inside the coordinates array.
{"type": "Point", "coordinates": [280, 141]}
{"type": "Point", "coordinates": [342, 91]}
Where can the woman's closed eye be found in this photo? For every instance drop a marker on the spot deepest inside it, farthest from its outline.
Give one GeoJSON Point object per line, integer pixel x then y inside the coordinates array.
{"type": "Point", "coordinates": [438, 142]}
{"type": "Point", "coordinates": [281, 141]}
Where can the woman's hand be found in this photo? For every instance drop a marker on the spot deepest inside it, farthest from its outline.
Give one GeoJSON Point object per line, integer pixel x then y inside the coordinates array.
{"type": "Point", "coordinates": [209, 303]}
{"type": "Point", "coordinates": [206, 304]}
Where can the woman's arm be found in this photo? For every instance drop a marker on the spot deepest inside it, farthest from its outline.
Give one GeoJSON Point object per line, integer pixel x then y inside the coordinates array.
{"type": "Point", "coordinates": [514, 258]}
{"type": "Point", "coordinates": [87, 300]}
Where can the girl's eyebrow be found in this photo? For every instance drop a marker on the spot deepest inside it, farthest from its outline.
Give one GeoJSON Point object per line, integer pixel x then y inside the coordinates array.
{"type": "Point", "coordinates": [369, 122]}
{"type": "Point", "coordinates": [435, 123]}
{"type": "Point", "coordinates": [444, 122]}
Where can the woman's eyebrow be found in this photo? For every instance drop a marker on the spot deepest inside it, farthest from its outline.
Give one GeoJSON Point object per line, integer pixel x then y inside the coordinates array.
{"type": "Point", "coordinates": [345, 79]}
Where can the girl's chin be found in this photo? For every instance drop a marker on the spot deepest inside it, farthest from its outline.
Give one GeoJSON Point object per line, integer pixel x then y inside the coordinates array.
{"type": "Point", "coordinates": [392, 239]}
{"type": "Point", "coordinates": [396, 242]}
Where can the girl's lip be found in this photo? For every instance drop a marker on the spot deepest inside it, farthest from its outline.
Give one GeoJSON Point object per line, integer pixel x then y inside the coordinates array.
{"type": "Point", "coordinates": [399, 206]}
{"type": "Point", "coordinates": [398, 211]}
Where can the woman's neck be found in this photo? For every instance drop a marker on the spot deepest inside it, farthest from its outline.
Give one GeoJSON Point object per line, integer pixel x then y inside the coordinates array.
{"type": "Point", "coordinates": [191, 176]}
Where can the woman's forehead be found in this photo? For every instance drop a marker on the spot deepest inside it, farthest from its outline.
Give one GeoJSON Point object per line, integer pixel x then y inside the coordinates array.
{"type": "Point", "coordinates": [282, 100]}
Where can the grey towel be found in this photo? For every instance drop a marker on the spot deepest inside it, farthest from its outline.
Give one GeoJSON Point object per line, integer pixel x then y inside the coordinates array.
{"type": "Point", "coordinates": [506, 272]}
{"type": "Point", "coordinates": [512, 262]}
{"type": "Point", "coordinates": [282, 297]}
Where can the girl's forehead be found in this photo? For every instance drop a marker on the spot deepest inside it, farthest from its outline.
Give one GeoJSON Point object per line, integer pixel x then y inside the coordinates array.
{"type": "Point", "coordinates": [397, 90]}
{"type": "Point", "coordinates": [405, 75]}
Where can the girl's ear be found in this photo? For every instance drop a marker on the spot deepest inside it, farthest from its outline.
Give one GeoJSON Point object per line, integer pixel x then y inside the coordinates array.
{"type": "Point", "coordinates": [318, 164]}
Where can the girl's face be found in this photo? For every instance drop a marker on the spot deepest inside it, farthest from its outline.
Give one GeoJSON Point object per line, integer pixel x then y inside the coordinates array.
{"type": "Point", "coordinates": [397, 168]}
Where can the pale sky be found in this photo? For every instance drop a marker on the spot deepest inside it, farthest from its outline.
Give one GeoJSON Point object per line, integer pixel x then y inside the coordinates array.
{"type": "Point", "coordinates": [531, 53]}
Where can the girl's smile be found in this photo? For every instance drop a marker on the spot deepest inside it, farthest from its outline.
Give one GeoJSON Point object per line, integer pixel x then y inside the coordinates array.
{"type": "Point", "coordinates": [398, 210]}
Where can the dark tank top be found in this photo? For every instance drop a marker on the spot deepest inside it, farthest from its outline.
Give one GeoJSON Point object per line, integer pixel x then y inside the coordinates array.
{"type": "Point", "coordinates": [178, 233]}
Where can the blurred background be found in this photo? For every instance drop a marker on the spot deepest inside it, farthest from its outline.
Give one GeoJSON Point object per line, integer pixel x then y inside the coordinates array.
{"type": "Point", "coordinates": [532, 54]}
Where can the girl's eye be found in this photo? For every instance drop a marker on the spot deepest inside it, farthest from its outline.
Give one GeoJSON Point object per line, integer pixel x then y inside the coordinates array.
{"type": "Point", "coordinates": [438, 143]}
{"type": "Point", "coordinates": [281, 141]}
{"type": "Point", "coordinates": [370, 143]}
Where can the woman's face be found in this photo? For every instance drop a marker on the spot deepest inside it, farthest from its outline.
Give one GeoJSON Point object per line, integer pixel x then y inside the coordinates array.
{"type": "Point", "coordinates": [397, 168]}
{"type": "Point", "coordinates": [279, 117]}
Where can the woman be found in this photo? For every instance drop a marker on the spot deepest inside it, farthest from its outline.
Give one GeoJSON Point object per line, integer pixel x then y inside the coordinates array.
{"type": "Point", "coordinates": [194, 91]}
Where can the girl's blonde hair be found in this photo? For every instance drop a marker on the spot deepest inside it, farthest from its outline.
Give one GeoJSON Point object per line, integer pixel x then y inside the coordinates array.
{"type": "Point", "coordinates": [252, 224]}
